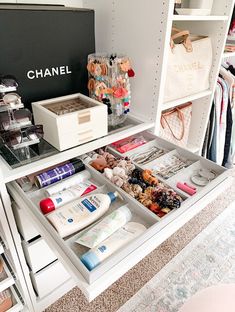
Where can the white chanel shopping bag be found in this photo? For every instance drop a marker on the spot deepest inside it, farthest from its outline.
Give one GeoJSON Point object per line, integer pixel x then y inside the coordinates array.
{"type": "Point", "coordinates": [189, 65]}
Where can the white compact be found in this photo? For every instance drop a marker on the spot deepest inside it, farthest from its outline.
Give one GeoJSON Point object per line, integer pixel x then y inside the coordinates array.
{"type": "Point", "coordinates": [71, 120]}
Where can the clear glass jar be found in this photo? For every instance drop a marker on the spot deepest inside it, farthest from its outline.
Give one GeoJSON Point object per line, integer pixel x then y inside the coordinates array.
{"type": "Point", "coordinates": [109, 83]}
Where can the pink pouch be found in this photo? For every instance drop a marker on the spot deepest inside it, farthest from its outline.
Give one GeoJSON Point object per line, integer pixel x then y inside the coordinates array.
{"type": "Point", "coordinates": [128, 144]}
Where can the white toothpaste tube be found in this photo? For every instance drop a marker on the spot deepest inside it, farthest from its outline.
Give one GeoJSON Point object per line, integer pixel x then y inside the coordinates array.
{"type": "Point", "coordinates": [105, 227]}
{"type": "Point", "coordinates": [117, 240]}
{"type": "Point", "coordinates": [59, 199]}
{"type": "Point", "coordinates": [71, 181]}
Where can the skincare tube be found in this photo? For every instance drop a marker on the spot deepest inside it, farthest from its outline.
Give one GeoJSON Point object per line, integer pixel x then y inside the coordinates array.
{"type": "Point", "coordinates": [64, 184]}
{"type": "Point", "coordinates": [59, 199]}
{"type": "Point", "coordinates": [120, 238]}
{"type": "Point", "coordinates": [105, 227]}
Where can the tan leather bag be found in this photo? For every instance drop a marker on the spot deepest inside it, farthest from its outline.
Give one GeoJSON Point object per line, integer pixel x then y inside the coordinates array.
{"type": "Point", "coordinates": [189, 65]}
{"type": "Point", "coordinates": [175, 124]}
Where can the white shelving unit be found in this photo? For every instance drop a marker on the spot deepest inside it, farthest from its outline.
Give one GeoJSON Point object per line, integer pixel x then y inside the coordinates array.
{"type": "Point", "coordinates": [142, 31]}
{"type": "Point", "coordinates": [149, 49]}
{"type": "Point", "coordinates": [11, 264]}
{"type": "Point", "coordinates": [199, 18]}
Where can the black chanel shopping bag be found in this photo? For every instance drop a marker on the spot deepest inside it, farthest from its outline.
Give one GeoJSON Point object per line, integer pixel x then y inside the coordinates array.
{"type": "Point", "coordinates": [46, 49]}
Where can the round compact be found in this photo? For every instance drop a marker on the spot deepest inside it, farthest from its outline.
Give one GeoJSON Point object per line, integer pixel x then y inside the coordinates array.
{"type": "Point", "coordinates": [199, 180]}
{"type": "Point", "coordinates": [11, 99]}
{"type": "Point", "coordinates": [209, 175]}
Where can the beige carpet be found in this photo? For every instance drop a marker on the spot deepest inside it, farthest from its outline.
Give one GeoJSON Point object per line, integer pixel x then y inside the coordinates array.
{"type": "Point", "coordinates": [208, 260]}
{"type": "Point", "coordinates": [121, 291]}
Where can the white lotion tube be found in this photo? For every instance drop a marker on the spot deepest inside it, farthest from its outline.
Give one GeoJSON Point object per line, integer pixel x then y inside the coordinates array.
{"type": "Point", "coordinates": [105, 227]}
{"type": "Point", "coordinates": [120, 238]}
{"type": "Point", "coordinates": [71, 181]}
{"type": "Point", "coordinates": [76, 215]}
{"type": "Point", "coordinates": [59, 199]}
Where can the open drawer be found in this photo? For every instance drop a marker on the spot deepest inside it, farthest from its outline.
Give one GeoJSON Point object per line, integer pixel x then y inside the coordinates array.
{"type": "Point", "coordinates": [92, 283]}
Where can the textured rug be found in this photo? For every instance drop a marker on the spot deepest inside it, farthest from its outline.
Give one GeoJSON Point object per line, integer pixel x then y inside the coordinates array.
{"type": "Point", "coordinates": [209, 259]}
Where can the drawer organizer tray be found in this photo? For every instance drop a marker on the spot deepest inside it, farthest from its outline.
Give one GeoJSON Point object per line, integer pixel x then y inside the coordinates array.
{"type": "Point", "coordinates": [68, 252]}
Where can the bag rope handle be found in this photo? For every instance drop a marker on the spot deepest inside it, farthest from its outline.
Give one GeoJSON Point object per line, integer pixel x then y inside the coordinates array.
{"type": "Point", "coordinates": [186, 40]}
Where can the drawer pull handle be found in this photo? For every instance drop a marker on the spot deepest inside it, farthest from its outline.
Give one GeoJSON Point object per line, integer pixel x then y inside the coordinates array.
{"type": "Point", "coordinates": [83, 118]}
{"type": "Point", "coordinates": [85, 136]}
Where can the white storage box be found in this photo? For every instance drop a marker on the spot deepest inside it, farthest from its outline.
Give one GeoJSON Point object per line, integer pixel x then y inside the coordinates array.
{"type": "Point", "coordinates": [71, 120]}
{"type": "Point", "coordinates": [48, 279]}
{"type": "Point", "coordinates": [38, 254]}
{"type": "Point", "coordinates": [25, 226]}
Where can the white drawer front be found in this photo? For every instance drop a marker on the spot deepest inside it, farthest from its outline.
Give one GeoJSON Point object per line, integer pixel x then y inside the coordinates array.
{"type": "Point", "coordinates": [49, 278]}
{"type": "Point", "coordinates": [38, 254]}
{"type": "Point", "coordinates": [25, 227]}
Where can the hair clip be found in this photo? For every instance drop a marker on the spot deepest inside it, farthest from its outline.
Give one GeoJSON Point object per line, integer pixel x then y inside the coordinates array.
{"type": "Point", "coordinates": [119, 92]}
{"type": "Point", "coordinates": [91, 67]}
{"type": "Point", "coordinates": [97, 70]}
{"type": "Point", "coordinates": [100, 87]}
{"type": "Point", "coordinates": [91, 84]}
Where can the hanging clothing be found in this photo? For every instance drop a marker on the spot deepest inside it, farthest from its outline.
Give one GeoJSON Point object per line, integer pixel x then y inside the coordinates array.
{"type": "Point", "coordinates": [219, 144]}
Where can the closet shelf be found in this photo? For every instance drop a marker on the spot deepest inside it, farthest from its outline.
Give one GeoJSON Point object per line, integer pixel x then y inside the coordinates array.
{"type": "Point", "coordinates": [193, 97]}
{"type": "Point", "coordinates": [193, 148]}
{"type": "Point", "coordinates": [228, 54]}
{"type": "Point", "coordinates": [200, 18]}
{"type": "Point", "coordinates": [130, 127]}
{"type": "Point", "coordinates": [5, 108]}
{"type": "Point", "coordinates": [8, 281]}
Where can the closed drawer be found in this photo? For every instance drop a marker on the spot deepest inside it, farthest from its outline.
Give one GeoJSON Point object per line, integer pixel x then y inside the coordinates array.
{"type": "Point", "coordinates": [49, 279]}
{"type": "Point", "coordinates": [25, 226]}
{"type": "Point", "coordinates": [92, 283]}
{"type": "Point", "coordinates": [38, 254]}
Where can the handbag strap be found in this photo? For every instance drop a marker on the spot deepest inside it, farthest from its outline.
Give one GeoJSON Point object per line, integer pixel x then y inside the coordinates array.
{"type": "Point", "coordinates": [180, 115]}
{"type": "Point", "coordinates": [185, 36]}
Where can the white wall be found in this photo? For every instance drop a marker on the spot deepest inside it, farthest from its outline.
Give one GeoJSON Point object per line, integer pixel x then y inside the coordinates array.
{"type": "Point", "coordinates": [72, 3]}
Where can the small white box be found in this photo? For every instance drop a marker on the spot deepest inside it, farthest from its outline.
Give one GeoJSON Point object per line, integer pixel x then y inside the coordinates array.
{"type": "Point", "coordinates": [38, 254]}
{"type": "Point", "coordinates": [71, 120]}
{"type": "Point", "coordinates": [25, 226]}
{"type": "Point", "coordinates": [50, 278]}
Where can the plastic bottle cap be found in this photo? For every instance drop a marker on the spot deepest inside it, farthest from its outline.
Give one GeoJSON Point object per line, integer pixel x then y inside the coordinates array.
{"type": "Point", "coordinates": [47, 205]}
{"type": "Point", "coordinates": [114, 195]}
{"type": "Point", "coordinates": [77, 164]}
{"type": "Point", "coordinates": [90, 260]}
{"type": "Point", "coordinates": [127, 212]}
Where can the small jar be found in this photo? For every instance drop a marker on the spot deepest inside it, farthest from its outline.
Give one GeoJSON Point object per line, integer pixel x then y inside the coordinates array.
{"type": "Point", "coordinates": [109, 83]}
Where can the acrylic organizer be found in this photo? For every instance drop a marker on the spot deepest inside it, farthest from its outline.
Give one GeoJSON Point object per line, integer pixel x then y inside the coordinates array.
{"type": "Point", "coordinates": [109, 83]}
